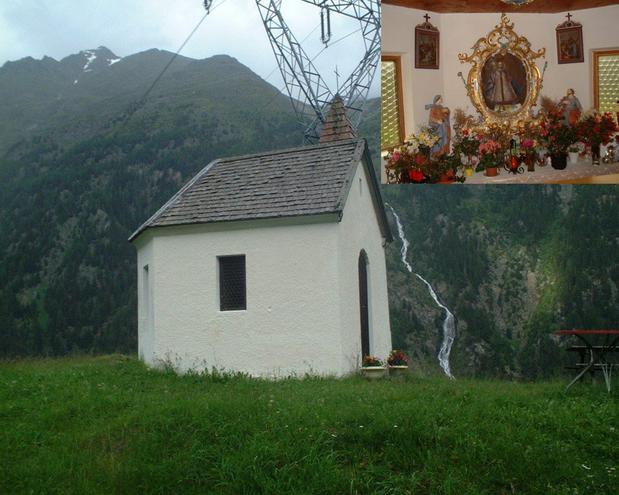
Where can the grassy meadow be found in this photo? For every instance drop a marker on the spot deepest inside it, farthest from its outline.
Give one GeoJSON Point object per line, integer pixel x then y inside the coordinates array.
{"type": "Point", "coordinates": [110, 425]}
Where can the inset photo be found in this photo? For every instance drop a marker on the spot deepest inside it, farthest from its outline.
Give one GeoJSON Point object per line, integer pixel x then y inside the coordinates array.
{"type": "Point", "coordinates": [499, 92]}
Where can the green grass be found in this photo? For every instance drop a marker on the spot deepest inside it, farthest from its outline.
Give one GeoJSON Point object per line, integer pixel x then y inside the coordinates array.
{"type": "Point", "coordinates": [109, 425]}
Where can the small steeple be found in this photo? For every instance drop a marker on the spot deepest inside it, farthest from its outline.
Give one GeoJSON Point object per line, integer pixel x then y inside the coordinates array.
{"type": "Point", "coordinates": [336, 127]}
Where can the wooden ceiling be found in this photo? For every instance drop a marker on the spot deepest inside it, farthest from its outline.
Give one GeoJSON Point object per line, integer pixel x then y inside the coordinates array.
{"type": "Point", "coordinates": [547, 6]}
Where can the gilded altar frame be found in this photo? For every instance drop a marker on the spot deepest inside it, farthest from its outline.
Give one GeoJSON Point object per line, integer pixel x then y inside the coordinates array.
{"type": "Point", "coordinates": [502, 43]}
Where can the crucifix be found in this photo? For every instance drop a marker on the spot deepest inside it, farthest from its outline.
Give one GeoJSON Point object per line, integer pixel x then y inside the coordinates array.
{"type": "Point", "coordinates": [569, 17]}
{"type": "Point", "coordinates": [337, 79]}
{"type": "Point", "coordinates": [427, 18]}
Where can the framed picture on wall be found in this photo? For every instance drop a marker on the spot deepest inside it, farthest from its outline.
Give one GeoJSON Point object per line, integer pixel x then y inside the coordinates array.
{"type": "Point", "coordinates": [427, 45]}
{"type": "Point", "coordinates": [569, 42]}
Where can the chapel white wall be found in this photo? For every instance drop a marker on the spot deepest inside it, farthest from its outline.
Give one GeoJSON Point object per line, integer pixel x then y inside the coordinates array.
{"type": "Point", "coordinates": [459, 32]}
{"type": "Point", "coordinates": [146, 319]}
{"type": "Point", "coordinates": [292, 322]}
{"type": "Point", "coordinates": [359, 229]}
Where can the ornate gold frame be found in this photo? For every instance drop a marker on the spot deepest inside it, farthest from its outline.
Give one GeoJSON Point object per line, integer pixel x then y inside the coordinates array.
{"type": "Point", "coordinates": [503, 39]}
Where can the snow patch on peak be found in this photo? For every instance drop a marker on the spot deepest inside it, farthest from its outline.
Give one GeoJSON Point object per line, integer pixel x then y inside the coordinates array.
{"type": "Point", "coordinates": [91, 56]}
{"type": "Point", "coordinates": [112, 61]}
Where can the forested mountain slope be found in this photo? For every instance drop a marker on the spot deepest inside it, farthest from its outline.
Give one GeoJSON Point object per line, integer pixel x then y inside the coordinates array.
{"type": "Point", "coordinates": [513, 263]}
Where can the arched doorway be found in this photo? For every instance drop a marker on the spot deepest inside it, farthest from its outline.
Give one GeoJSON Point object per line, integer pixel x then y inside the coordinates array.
{"type": "Point", "coordinates": [363, 304]}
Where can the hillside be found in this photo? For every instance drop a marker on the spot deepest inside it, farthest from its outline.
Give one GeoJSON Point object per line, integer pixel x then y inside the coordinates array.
{"type": "Point", "coordinates": [513, 264]}
{"type": "Point", "coordinates": [109, 425]}
{"type": "Point", "coordinates": [72, 193]}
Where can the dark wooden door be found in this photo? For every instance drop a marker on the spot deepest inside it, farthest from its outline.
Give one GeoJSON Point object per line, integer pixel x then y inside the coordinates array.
{"type": "Point", "coordinates": [363, 304]}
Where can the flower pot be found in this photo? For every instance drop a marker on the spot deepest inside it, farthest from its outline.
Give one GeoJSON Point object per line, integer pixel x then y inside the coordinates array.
{"type": "Point", "coordinates": [530, 161]}
{"type": "Point", "coordinates": [573, 157]}
{"type": "Point", "coordinates": [374, 372]}
{"type": "Point", "coordinates": [396, 370]}
{"type": "Point", "coordinates": [446, 177]}
{"type": "Point", "coordinates": [468, 172]}
{"type": "Point", "coordinates": [558, 161]}
{"type": "Point", "coordinates": [416, 176]}
{"type": "Point", "coordinates": [492, 172]}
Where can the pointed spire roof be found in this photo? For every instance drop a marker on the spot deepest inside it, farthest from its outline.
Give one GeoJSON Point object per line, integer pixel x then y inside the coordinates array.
{"type": "Point", "coordinates": [336, 126]}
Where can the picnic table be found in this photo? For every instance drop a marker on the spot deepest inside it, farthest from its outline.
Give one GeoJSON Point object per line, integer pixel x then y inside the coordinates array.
{"type": "Point", "coordinates": [594, 356]}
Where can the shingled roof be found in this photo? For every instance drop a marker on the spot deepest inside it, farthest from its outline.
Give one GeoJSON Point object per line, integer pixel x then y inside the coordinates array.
{"type": "Point", "coordinates": [309, 180]}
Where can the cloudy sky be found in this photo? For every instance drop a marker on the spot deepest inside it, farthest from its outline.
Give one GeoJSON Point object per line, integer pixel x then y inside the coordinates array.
{"type": "Point", "coordinates": [58, 28]}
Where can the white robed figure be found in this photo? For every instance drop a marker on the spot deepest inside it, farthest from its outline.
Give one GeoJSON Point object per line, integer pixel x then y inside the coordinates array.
{"type": "Point", "coordinates": [502, 91]}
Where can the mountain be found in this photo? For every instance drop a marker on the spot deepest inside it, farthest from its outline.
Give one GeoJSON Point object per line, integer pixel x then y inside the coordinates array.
{"type": "Point", "coordinates": [41, 98]}
{"type": "Point", "coordinates": [94, 164]}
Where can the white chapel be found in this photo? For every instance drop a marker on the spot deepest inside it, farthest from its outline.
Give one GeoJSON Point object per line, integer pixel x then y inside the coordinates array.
{"type": "Point", "coordinates": [270, 264]}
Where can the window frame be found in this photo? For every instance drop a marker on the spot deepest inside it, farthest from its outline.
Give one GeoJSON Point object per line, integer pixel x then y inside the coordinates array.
{"type": "Point", "coordinates": [397, 60]}
{"type": "Point", "coordinates": [596, 72]}
{"type": "Point", "coordinates": [220, 282]}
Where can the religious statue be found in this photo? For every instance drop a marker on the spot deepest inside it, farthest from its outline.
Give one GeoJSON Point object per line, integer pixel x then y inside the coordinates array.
{"type": "Point", "coordinates": [571, 107]}
{"type": "Point", "coordinates": [501, 92]}
{"type": "Point", "coordinates": [439, 122]}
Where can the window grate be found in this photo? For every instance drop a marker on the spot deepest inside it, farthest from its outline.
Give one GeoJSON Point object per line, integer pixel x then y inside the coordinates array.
{"type": "Point", "coordinates": [608, 81]}
{"type": "Point", "coordinates": [232, 291]}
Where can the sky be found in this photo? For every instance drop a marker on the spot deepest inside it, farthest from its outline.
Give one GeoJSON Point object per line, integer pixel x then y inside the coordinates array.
{"type": "Point", "coordinates": [58, 28]}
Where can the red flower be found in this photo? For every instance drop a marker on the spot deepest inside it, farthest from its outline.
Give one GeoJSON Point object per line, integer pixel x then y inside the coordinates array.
{"type": "Point", "coordinates": [420, 160]}
{"type": "Point", "coordinates": [416, 175]}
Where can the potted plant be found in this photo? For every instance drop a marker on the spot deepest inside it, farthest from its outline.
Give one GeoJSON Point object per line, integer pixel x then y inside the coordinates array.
{"type": "Point", "coordinates": [556, 134]}
{"type": "Point", "coordinates": [596, 129]}
{"type": "Point", "coordinates": [492, 156]}
{"type": "Point", "coordinates": [445, 168]}
{"type": "Point", "coordinates": [373, 368]}
{"type": "Point", "coordinates": [398, 363]}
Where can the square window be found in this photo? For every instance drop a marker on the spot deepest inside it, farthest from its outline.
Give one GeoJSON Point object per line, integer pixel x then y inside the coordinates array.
{"type": "Point", "coordinates": [232, 295]}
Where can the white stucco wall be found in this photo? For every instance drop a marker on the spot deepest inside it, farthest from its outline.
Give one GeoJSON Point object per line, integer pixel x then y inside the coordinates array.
{"type": "Point", "coordinates": [459, 32]}
{"type": "Point", "coordinates": [359, 229]}
{"type": "Point", "coordinates": [146, 320]}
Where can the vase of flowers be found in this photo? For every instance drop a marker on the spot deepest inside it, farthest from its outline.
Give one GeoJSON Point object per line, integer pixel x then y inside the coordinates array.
{"type": "Point", "coordinates": [573, 151]}
{"type": "Point", "coordinates": [529, 149]}
{"type": "Point", "coordinates": [594, 130]}
{"type": "Point", "coordinates": [411, 162]}
{"type": "Point", "coordinates": [373, 368]}
{"type": "Point", "coordinates": [466, 146]}
{"type": "Point", "coordinates": [398, 363]}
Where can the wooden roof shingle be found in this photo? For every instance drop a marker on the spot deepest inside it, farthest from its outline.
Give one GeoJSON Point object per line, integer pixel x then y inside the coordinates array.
{"type": "Point", "coordinates": [309, 180]}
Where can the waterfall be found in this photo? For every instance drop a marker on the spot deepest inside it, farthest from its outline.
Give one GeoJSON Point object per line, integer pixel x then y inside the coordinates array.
{"type": "Point", "coordinates": [449, 323]}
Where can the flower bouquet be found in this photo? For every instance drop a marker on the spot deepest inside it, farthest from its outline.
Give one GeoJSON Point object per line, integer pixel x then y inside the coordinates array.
{"type": "Point", "coordinates": [466, 146]}
{"type": "Point", "coordinates": [556, 135]}
{"type": "Point", "coordinates": [411, 162]}
{"type": "Point", "coordinates": [529, 147]}
{"type": "Point", "coordinates": [596, 129]}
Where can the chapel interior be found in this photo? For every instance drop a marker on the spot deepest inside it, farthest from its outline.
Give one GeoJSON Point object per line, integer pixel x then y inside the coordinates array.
{"type": "Point", "coordinates": [566, 52]}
